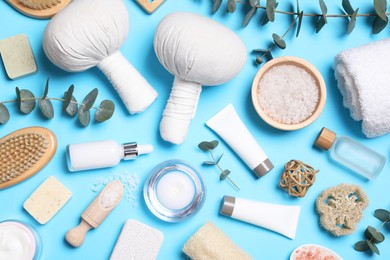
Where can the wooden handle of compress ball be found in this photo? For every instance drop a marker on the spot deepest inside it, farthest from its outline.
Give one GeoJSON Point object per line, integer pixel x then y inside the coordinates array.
{"type": "Point", "coordinates": [76, 235]}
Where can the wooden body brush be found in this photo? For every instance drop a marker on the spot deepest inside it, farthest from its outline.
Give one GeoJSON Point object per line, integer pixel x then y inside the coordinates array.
{"type": "Point", "coordinates": [41, 9]}
{"type": "Point", "coordinates": [23, 153]}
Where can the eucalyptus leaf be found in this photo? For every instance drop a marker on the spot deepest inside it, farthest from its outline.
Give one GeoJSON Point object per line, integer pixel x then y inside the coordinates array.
{"type": "Point", "coordinates": [46, 89]}
{"type": "Point", "coordinates": [373, 247]}
{"type": "Point", "coordinates": [270, 10]}
{"type": "Point", "coordinates": [219, 159]}
{"type": "Point", "coordinates": [205, 146]}
{"type": "Point", "coordinates": [321, 22]}
{"type": "Point", "coordinates": [300, 18]}
{"type": "Point", "coordinates": [260, 50]}
{"type": "Point", "coordinates": [378, 25]}
{"type": "Point", "coordinates": [380, 9]}
{"type": "Point", "coordinates": [18, 99]}
{"type": "Point", "coordinates": [214, 143]}
{"type": "Point", "coordinates": [217, 4]}
{"type": "Point", "coordinates": [361, 246]}
{"type": "Point", "coordinates": [231, 6]}
{"type": "Point", "coordinates": [373, 235]}
{"type": "Point", "coordinates": [324, 10]}
{"type": "Point", "coordinates": [26, 100]}
{"type": "Point", "coordinates": [208, 163]}
{"type": "Point", "coordinates": [248, 17]}
{"type": "Point", "coordinates": [46, 108]}
{"type": "Point", "coordinates": [84, 117]}
{"type": "Point", "coordinates": [259, 60]}
{"type": "Point", "coordinates": [90, 99]}
{"type": "Point", "coordinates": [72, 108]}
{"type": "Point", "coordinates": [224, 174]}
{"type": "Point", "coordinates": [298, 9]}
{"type": "Point", "coordinates": [352, 22]}
{"type": "Point", "coordinates": [4, 114]}
{"type": "Point", "coordinates": [67, 97]}
{"type": "Point", "coordinates": [265, 19]}
{"type": "Point", "coordinates": [382, 214]}
{"type": "Point", "coordinates": [348, 7]}
{"type": "Point", "coordinates": [105, 111]}
{"type": "Point", "coordinates": [254, 3]}
{"type": "Point", "coordinates": [279, 41]}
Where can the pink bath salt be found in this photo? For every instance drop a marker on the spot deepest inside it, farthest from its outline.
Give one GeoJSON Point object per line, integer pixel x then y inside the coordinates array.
{"type": "Point", "coordinates": [314, 253]}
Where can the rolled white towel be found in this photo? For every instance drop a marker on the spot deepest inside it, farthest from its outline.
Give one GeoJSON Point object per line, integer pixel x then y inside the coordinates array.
{"type": "Point", "coordinates": [363, 78]}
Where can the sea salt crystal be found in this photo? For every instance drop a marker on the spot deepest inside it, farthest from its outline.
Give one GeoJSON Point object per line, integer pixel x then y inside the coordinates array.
{"type": "Point", "coordinates": [288, 94]}
{"type": "Point", "coordinates": [130, 183]}
{"type": "Point", "coordinates": [110, 197]}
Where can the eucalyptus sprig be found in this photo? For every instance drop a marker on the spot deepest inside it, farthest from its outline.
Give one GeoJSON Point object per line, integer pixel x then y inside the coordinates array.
{"type": "Point", "coordinates": [26, 102]}
{"type": "Point", "coordinates": [209, 147]}
{"type": "Point", "coordinates": [373, 236]}
{"type": "Point", "coordinates": [348, 12]}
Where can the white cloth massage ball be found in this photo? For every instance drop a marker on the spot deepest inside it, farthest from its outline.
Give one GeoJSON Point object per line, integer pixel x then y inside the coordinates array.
{"type": "Point", "coordinates": [198, 51]}
{"type": "Point", "coordinates": [89, 33]}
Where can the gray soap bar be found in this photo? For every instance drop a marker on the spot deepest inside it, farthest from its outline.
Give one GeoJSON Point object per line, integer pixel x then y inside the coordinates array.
{"type": "Point", "coordinates": [17, 56]}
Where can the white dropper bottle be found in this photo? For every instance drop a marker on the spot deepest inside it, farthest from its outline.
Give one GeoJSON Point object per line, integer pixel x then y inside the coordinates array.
{"type": "Point", "coordinates": [102, 154]}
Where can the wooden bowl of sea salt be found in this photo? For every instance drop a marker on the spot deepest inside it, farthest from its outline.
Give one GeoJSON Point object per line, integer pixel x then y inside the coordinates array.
{"type": "Point", "coordinates": [288, 93]}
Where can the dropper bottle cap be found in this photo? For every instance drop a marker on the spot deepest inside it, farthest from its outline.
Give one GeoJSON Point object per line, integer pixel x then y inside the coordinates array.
{"type": "Point", "coordinates": [132, 150]}
{"type": "Point", "coordinates": [325, 139]}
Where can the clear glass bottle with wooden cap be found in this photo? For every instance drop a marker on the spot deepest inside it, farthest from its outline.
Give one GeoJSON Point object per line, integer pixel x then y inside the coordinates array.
{"type": "Point", "coordinates": [351, 154]}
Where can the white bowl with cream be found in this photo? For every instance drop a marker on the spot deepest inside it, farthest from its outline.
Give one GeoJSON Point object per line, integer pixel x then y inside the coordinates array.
{"type": "Point", "coordinates": [18, 241]}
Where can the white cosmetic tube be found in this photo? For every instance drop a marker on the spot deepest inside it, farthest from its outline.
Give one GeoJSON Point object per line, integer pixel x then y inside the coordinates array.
{"type": "Point", "coordinates": [279, 218]}
{"type": "Point", "coordinates": [228, 125]}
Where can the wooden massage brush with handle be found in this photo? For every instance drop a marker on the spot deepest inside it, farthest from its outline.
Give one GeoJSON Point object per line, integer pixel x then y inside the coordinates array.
{"type": "Point", "coordinates": [41, 9]}
{"type": "Point", "coordinates": [25, 152]}
{"type": "Point", "coordinates": [96, 212]}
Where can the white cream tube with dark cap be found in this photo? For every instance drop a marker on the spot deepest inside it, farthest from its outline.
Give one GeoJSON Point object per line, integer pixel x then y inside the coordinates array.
{"type": "Point", "coordinates": [228, 125]}
{"type": "Point", "coordinates": [95, 155]}
{"type": "Point", "coordinates": [279, 218]}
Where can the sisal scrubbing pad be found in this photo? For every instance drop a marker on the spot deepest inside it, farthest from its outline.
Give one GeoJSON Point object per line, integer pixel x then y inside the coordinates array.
{"type": "Point", "coordinates": [137, 241]}
{"type": "Point", "coordinates": [209, 242]}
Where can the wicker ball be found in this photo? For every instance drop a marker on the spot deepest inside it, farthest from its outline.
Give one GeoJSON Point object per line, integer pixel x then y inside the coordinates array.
{"type": "Point", "coordinates": [297, 178]}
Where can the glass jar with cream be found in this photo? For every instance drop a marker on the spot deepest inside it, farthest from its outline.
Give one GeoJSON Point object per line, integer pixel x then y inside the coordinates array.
{"type": "Point", "coordinates": [19, 241]}
{"type": "Point", "coordinates": [174, 191]}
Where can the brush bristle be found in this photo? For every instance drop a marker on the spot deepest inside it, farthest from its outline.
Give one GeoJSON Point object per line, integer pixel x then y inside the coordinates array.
{"type": "Point", "coordinates": [20, 153]}
{"type": "Point", "coordinates": [39, 4]}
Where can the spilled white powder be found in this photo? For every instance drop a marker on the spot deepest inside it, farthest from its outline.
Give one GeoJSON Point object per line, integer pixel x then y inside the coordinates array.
{"type": "Point", "coordinates": [110, 197]}
{"type": "Point", "coordinates": [130, 183]}
{"type": "Point", "coordinates": [288, 94]}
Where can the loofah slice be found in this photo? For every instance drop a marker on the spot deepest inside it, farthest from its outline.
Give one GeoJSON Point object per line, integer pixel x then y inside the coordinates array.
{"type": "Point", "coordinates": [41, 9]}
{"type": "Point", "coordinates": [341, 208]}
{"type": "Point", "coordinates": [23, 153]}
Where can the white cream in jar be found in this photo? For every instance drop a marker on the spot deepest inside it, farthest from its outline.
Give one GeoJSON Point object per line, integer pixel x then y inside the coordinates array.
{"type": "Point", "coordinates": [18, 241]}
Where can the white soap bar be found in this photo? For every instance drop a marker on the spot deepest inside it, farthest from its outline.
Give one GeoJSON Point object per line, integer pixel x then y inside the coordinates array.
{"type": "Point", "coordinates": [17, 56]}
{"type": "Point", "coordinates": [137, 241]}
{"type": "Point", "coordinates": [47, 200]}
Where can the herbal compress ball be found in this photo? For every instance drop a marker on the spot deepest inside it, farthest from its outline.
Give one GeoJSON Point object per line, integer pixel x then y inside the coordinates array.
{"type": "Point", "coordinates": [198, 51]}
{"type": "Point", "coordinates": [89, 33]}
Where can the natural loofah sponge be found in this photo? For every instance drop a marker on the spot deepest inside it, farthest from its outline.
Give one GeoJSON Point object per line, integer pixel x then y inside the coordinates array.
{"type": "Point", "coordinates": [209, 242]}
{"type": "Point", "coordinates": [341, 208]}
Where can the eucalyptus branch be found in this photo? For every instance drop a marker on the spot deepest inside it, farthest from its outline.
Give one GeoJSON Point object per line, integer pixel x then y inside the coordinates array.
{"type": "Point", "coordinates": [270, 8]}
{"type": "Point", "coordinates": [210, 146]}
{"type": "Point", "coordinates": [26, 102]}
{"type": "Point", "coordinates": [373, 235]}
{"type": "Point", "coordinates": [312, 14]}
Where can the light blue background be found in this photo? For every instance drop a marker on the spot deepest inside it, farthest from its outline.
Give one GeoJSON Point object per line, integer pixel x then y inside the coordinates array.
{"type": "Point", "coordinates": [318, 49]}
